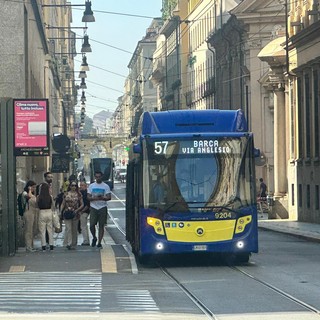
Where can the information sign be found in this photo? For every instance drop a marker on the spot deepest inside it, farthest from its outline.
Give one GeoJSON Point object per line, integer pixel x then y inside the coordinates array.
{"type": "Point", "coordinates": [31, 127]}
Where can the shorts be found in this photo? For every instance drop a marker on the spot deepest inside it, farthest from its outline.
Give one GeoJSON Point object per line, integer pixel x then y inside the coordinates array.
{"type": "Point", "coordinates": [98, 215]}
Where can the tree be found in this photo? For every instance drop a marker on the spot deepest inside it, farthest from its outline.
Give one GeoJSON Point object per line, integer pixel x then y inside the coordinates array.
{"type": "Point", "coordinates": [167, 7]}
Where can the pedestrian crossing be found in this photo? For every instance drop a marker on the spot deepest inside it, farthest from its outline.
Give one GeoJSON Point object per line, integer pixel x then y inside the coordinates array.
{"type": "Point", "coordinates": [50, 292]}
{"type": "Point", "coordinates": [136, 300]}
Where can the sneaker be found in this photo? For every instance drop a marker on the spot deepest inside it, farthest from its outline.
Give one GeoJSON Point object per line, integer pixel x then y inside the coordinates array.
{"type": "Point", "coordinates": [69, 247]}
{"type": "Point", "coordinates": [99, 245]}
{"type": "Point", "coordinates": [44, 248]}
{"type": "Point", "coordinates": [30, 250]}
{"type": "Point", "coordinates": [51, 247]}
{"type": "Point", "coordinates": [94, 241]}
{"type": "Point", "coordinates": [85, 244]}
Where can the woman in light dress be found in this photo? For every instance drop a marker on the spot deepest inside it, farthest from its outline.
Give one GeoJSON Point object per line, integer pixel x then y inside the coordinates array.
{"type": "Point", "coordinates": [30, 215]}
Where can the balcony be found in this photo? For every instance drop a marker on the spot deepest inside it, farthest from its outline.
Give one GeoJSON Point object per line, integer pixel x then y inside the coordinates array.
{"type": "Point", "coordinates": [158, 71]}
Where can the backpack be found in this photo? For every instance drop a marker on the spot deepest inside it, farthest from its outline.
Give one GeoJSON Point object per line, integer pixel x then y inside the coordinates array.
{"type": "Point", "coordinates": [22, 203]}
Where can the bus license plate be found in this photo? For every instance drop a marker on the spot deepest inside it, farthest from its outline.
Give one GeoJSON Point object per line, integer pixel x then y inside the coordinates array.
{"type": "Point", "coordinates": [200, 247]}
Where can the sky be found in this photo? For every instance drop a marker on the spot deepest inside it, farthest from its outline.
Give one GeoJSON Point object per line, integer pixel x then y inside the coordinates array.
{"type": "Point", "coordinates": [113, 38]}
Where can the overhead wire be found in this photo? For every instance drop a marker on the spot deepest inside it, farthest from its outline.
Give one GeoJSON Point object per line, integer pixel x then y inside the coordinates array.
{"type": "Point", "coordinates": [180, 37]}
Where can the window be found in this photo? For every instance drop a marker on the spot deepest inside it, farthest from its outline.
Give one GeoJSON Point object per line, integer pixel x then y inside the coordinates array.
{"type": "Point", "coordinates": [316, 114]}
{"type": "Point", "coordinates": [317, 197]}
{"type": "Point", "coordinates": [300, 121]}
{"type": "Point", "coordinates": [292, 194]}
{"type": "Point", "coordinates": [308, 196]}
{"type": "Point", "coordinates": [308, 117]}
{"type": "Point", "coordinates": [292, 124]}
{"type": "Point", "coordinates": [300, 196]}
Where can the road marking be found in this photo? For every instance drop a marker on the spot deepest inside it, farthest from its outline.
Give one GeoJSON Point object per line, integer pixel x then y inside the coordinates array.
{"type": "Point", "coordinates": [17, 268]}
{"type": "Point", "coordinates": [50, 292]}
{"type": "Point", "coordinates": [108, 260]}
{"type": "Point", "coordinates": [136, 300]}
{"type": "Point", "coordinates": [118, 199]}
{"type": "Point", "coordinates": [134, 266]}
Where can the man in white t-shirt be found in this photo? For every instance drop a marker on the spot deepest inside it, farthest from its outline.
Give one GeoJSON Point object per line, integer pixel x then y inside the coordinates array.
{"type": "Point", "coordinates": [98, 195]}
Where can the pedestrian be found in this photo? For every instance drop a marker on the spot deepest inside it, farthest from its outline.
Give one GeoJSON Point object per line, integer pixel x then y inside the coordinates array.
{"type": "Point", "coordinates": [71, 207]}
{"type": "Point", "coordinates": [59, 199]}
{"type": "Point", "coordinates": [263, 189]}
{"type": "Point", "coordinates": [48, 177]}
{"type": "Point", "coordinates": [98, 195]}
{"type": "Point", "coordinates": [46, 205]}
{"type": "Point", "coordinates": [65, 184]}
{"type": "Point", "coordinates": [30, 213]}
{"type": "Point", "coordinates": [84, 213]}
{"type": "Point", "coordinates": [159, 191]}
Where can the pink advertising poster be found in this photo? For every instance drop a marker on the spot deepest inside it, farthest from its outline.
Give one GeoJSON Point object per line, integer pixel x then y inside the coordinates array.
{"type": "Point", "coordinates": [31, 127]}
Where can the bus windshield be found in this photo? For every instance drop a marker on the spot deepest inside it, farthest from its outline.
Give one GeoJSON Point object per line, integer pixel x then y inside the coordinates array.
{"type": "Point", "coordinates": [183, 175]}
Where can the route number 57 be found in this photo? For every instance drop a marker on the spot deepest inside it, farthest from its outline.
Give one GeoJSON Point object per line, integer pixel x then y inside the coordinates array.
{"type": "Point", "coordinates": [160, 147]}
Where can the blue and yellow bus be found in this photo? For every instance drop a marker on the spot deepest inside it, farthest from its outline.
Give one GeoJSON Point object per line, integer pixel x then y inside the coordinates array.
{"type": "Point", "coordinates": [191, 186]}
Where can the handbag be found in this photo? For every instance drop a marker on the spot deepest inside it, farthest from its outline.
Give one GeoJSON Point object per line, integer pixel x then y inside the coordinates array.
{"type": "Point", "coordinates": [56, 222]}
{"type": "Point", "coordinates": [69, 214]}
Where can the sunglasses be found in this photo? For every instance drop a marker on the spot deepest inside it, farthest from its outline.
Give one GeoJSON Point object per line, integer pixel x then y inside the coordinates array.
{"type": "Point", "coordinates": [73, 185]}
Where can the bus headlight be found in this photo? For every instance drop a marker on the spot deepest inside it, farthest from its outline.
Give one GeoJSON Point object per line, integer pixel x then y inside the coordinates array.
{"type": "Point", "coordinates": [156, 224]}
{"type": "Point", "coordinates": [242, 223]}
{"type": "Point", "coordinates": [240, 244]}
{"type": "Point", "coordinates": [159, 246]}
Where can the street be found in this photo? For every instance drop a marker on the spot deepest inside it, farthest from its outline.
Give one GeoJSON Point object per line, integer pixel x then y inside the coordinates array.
{"type": "Point", "coordinates": [280, 282]}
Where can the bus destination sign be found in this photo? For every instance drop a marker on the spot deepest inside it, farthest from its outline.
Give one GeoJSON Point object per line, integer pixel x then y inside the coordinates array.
{"type": "Point", "coordinates": [208, 146]}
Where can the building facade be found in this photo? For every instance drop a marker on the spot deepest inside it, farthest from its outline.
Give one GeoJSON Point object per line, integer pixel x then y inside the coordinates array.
{"type": "Point", "coordinates": [36, 57]}
{"type": "Point", "coordinates": [140, 88]}
{"type": "Point", "coordinates": [303, 117]}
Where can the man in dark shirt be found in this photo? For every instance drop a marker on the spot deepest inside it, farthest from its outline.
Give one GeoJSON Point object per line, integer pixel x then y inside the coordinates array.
{"type": "Point", "coordinates": [263, 189]}
{"type": "Point", "coordinates": [47, 179]}
{"type": "Point", "coordinates": [84, 214]}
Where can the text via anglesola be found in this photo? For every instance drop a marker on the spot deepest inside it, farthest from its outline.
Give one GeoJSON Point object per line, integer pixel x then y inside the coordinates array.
{"type": "Point", "coordinates": [205, 147]}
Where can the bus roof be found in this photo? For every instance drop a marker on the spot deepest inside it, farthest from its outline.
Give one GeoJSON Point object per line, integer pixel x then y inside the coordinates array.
{"type": "Point", "coordinates": [193, 121]}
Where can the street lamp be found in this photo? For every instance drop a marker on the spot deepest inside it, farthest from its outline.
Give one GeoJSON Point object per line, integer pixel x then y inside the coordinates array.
{"type": "Point", "coordinates": [87, 14]}
{"type": "Point", "coordinates": [86, 47]}
{"type": "Point", "coordinates": [84, 65]}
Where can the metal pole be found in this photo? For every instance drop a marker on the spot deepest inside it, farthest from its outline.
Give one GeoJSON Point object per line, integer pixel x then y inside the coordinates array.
{"type": "Point", "coordinates": [8, 181]}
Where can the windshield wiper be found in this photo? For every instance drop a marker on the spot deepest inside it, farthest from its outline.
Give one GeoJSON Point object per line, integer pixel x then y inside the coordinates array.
{"type": "Point", "coordinates": [220, 208]}
{"type": "Point", "coordinates": [173, 204]}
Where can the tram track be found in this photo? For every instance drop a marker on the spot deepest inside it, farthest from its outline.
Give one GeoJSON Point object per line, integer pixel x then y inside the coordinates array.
{"type": "Point", "coordinates": [210, 314]}
{"type": "Point", "coordinates": [205, 310]}
{"type": "Point", "coordinates": [200, 305]}
{"type": "Point", "coordinates": [278, 291]}
{"type": "Point", "coordinates": [197, 302]}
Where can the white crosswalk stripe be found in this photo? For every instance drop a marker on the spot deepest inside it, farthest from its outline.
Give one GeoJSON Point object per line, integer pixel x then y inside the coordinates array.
{"type": "Point", "coordinates": [136, 300]}
{"type": "Point", "coordinates": [50, 292]}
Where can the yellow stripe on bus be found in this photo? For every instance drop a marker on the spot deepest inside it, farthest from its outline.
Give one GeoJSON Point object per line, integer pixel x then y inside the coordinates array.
{"type": "Point", "coordinates": [200, 231]}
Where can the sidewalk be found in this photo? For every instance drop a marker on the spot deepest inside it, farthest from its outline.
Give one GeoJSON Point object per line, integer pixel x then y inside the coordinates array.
{"type": "Point", "coordinates": [305, 230]}
{"type": "Point", "coordinates": [82, 259]}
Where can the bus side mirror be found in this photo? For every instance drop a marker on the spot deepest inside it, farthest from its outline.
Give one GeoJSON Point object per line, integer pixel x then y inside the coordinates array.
{"type": "Point", "coordinates": [137, 148]}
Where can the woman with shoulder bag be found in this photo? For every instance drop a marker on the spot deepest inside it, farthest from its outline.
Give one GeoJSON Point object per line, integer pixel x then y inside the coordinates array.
{"type": "Point", "coordinates": [46, 205]}
{"type": "Point", "coordinates": [71, 206]}
{"type": "Point", "coordinates": [30, 213]}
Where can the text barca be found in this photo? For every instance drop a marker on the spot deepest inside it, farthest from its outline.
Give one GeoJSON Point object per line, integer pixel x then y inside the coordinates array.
{"type": "Point", "coordinates": [205, 146]}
